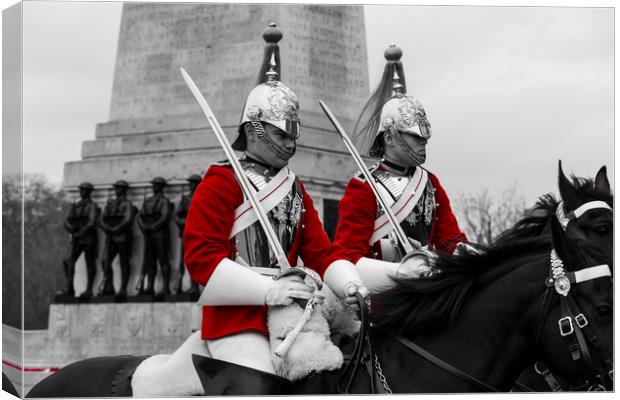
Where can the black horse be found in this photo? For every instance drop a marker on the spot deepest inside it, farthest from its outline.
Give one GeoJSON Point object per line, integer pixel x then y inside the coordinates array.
{"type": "Point", "coordinates": [485, 317]}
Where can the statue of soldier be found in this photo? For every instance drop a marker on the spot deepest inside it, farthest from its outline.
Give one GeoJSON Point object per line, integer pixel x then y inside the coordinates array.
{"type": "Point", "coordinates": [153, 220]}
{"type": "Point", "coordinates": [179, 218]}
{"type": "Point", "coordinates": [117, 223]}
{"type": "Point", "coordinates": [82, 225]}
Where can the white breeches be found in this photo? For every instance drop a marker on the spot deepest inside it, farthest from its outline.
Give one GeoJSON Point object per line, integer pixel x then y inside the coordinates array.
{"type": "Point", "coordinates": [250, 349]}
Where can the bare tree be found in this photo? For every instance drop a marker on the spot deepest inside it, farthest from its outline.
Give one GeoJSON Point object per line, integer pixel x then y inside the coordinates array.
{"type": "Point", "coordinates": [45, 244]}
{"type": "Point", "coordinates": [483, 216]}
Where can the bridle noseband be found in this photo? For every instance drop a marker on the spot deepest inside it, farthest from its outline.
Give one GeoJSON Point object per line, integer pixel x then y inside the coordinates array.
{"type": "Point", "coordinates": [573, 325]}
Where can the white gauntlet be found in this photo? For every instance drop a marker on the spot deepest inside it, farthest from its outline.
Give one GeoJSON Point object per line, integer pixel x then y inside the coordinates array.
{"type": "Point", "coordinates": [232, 284]}
{"type": "Point", "coordinates": [340, 276]}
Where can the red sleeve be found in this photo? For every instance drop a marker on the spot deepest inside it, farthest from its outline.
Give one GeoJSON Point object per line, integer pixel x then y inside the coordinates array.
{"type": "Point", "coordinates": [316, 249]}
{"type": "Point", "coordinates": [209, 221]}
{"type": "Point", "coordinates": [445, 233]}
{"type": "Point", "coordinates": [356, 220]}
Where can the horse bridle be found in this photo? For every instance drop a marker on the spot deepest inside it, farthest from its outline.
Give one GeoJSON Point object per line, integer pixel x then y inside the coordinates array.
{"type": "Point", "coordinates": [573, 325]}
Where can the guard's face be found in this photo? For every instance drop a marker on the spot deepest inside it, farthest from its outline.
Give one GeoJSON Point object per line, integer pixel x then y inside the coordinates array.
{"type": "Point", "coordinates": [397, 152]}
{"type": "Point", "coordinates": [260, 149]}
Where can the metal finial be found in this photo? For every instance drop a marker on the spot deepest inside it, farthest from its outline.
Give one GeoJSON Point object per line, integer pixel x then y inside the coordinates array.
{"type": "Point", "coordinates": [271, 74]}
{"type": "Point", "coordinates": [397, 87]}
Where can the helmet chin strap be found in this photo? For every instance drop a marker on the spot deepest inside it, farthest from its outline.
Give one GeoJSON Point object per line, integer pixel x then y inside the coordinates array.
{"type": "Point", "coordinates": [270, 144]}
{"type": "Point", "coordinates": [411, 153]}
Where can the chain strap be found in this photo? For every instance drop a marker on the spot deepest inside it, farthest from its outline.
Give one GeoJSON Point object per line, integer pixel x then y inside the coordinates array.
{"type": "Point", "coordinates": [381, 376]}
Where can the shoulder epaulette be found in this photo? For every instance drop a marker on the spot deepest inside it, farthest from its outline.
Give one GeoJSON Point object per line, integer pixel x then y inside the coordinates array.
{"type": "Point", "coordinates": [360, 176]}
{"type": "Point", "coordinates": [223, 163]}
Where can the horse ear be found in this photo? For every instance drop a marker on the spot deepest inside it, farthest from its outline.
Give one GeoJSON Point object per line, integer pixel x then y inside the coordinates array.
{"type": "Point", "coordinates": [567, 190]}
{"type": "Point", "coordinates": [564, 246]}
{"type": "Point", "coordinates": [601, 182]}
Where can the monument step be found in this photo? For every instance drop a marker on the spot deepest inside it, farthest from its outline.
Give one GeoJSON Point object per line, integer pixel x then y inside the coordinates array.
{"type": "Point", "coordinates": [228, 119]}
{"type": "Point", "coordinates": [191, 140]}
{"type": "Point", "coordinates": [178, 165]}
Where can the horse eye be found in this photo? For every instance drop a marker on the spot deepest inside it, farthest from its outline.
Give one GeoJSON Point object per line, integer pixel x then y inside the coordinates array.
{"type": "Point", "coordinates": [604, 311]}
{"type": "Point", "coordinates": [602, 229]}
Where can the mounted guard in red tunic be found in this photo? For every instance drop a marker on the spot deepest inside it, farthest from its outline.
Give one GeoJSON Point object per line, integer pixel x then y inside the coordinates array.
{"type": "Point", "coordinates": [394, 128]}
{"type": "Point", "coordinates": [249, 222]}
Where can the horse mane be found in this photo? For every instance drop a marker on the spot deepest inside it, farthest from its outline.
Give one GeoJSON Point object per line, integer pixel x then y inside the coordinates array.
{"type": "Point", "coordinates": [426, 304]}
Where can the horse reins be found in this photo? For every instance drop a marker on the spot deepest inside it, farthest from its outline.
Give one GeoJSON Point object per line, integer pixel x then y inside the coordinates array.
{"type": "Point", "coordinates": [362, 353]}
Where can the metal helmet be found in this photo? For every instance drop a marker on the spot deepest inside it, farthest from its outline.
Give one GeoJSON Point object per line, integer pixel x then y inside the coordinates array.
{"type": "Point", "coordinates": [194, 178]}
{"type": "Point", "coordinates": [159, 181]}
{"type": "Point", "coordinates": [121, 183]}
{"type": "Point", "coordinates": [390, 107]}
{"type": "Point", "coordinates": [271, 101]}
{"type": "Point", "coordinates": [86, 185]}
{"type": "Point", "coordinates": [406, 114]}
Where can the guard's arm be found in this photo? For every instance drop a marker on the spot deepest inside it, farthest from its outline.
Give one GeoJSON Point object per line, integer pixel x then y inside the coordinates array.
{"type": "Point", "coordinates": [232, 284]}
{"type": "Point", "coordinates": [446, 232]}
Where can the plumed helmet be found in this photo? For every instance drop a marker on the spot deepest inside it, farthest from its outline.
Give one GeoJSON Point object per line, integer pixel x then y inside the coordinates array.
{"type": "Point", "coordinates": [271, 101]}
{"type": "Point", "coordinates": [159, 181]}
{"type": "Point", "coordinates": [194, 178]}
{"type": "Point", "coordinates": [121, 183]}
{"type": "Point", "coordinates": [86, 185]}
{"type": "Point", "coordinates": [389, 106]}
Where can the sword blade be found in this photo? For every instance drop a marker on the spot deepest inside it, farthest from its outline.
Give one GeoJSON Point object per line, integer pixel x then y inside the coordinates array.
{"type": "Point", "coordinates": [398, 230]}
{"type": "Point", "coordinates": [247, 189]}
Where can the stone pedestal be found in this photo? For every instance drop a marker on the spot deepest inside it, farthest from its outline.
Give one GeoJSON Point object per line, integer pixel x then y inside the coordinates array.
{"type": "Point", "coordinates": [79, 331]}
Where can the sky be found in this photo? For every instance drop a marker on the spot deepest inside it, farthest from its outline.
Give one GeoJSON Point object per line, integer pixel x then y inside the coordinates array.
{"type": "Point", "coordinates": [508, 90]}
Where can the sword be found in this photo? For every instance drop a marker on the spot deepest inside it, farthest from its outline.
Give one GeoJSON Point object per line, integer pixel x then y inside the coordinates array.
{"type": "Point", "coordinates": [398, 230]}
{"type": "Point", "coordinates": [250, 193]}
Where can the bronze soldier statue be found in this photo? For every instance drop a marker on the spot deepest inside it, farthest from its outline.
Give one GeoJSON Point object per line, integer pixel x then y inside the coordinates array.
{"type": "Point", "coordinates": [179, 218]}
{"type": "Point", "coordinates": [117, 223]}
{"type": "Point", "coordinates": [153, 221]}
{"type": "Point", "coordinates": [82, 225]}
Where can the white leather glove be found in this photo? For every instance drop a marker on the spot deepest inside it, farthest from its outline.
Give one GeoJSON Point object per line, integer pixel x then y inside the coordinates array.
{"type": "Point", "coordinates": [286, 289]}
{"type": "Point", "coordinates": [351, 289]}
{"type": "Point", "coordinates": [416, 265]}
{"type": "Point", "coordinates": [462, 247]}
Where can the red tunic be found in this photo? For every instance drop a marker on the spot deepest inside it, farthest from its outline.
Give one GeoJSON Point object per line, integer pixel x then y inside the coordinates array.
{"type": "Point", "coordinates": [358, 212]}
{"type": "Point", "coordinates": [205, 240]}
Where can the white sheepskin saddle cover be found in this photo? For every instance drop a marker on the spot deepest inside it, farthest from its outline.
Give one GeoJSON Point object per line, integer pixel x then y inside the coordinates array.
{"type": "Point", "coordinates": [313, 349]}
{"type": "Point", "coordinates": [170, 374]}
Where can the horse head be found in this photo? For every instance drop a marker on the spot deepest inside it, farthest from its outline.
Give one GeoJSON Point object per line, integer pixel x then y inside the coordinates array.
{"type": "Point", "coordinates": [586, 213]}
{"type": "Point", "coordinates": [576, 328]}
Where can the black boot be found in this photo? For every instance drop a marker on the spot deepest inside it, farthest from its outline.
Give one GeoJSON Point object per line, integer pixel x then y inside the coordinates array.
{"type": "Point", "coordinates": [221, 378]}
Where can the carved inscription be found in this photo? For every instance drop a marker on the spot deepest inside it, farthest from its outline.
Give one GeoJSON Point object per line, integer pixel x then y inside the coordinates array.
{"type": "Point", "coordinates": [323, 54]}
